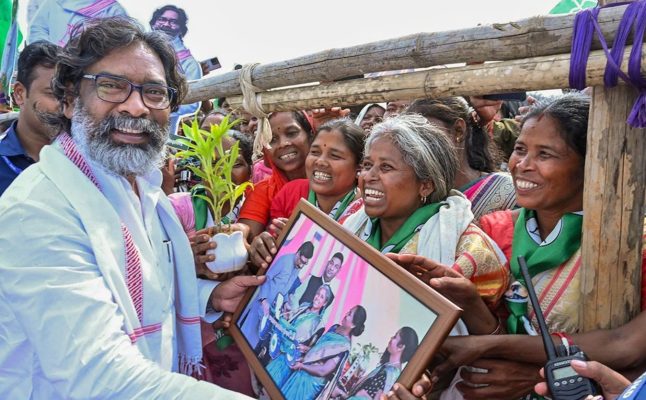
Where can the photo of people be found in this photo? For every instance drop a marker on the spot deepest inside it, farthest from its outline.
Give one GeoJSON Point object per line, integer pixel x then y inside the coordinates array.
{"type": "Point", "coordinates": [318, 331]}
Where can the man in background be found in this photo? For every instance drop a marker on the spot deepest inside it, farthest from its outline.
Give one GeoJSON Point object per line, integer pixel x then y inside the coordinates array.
{"type": "Point", "coordinates": [21, 143]}
{"type": "Point", "coordinates": [173, 22]}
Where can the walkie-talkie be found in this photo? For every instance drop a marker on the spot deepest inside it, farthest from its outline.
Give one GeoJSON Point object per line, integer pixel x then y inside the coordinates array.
{"type": "Point", "coordinates": [563, 381]}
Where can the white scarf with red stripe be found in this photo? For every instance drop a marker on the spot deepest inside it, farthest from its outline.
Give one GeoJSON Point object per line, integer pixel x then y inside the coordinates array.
{"type": "Point", "coordinates": [126, 281]}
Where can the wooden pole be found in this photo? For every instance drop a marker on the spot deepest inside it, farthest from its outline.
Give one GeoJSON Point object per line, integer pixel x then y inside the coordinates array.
{"type": "Point", "coordinates": [614, 212]}
{"type": "Point", "coordinates": [518, 75]}
{"type": "Point", "coordinates": [531, 37]}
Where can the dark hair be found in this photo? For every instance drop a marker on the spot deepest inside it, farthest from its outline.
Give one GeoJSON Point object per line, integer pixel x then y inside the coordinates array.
{"type": "Point", "coordinates": [339, 256]}
{"type": "Point", "coordinates": [306, 249]}
{"type": "Point", "coordinates": [480, 149]}
{"type": "Point", "coordinates": [96, 39]}
{"type": "Point", "coordinates": [570, 112]}
{"type": "Point", "coordinates": [408, 338]}
{"type": "Point", "coordinates": [37, 54]}
{"type": "Point", "coordinates": [358, 320]}
{"type": "Point", "coordinates": [353, 136]}
{"type": "Point", "coordinates": [302, 121]}
{"type": "Point", "coordinates": [245, 144]}
{"type": "Point", "coordinates": [201, 118]}
{"type": "Point", "coordinates": [182, 19]}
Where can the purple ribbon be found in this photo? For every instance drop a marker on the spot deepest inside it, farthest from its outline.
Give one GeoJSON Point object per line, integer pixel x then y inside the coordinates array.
{"type": "Point", "coordinates": [585, 23]}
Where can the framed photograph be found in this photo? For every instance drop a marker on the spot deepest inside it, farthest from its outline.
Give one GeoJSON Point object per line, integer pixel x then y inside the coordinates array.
{"type": "Point", "coordinates": [336, 319]}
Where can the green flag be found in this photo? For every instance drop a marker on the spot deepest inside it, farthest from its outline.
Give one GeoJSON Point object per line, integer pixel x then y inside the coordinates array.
{"type": "Point", "coordinates": [572, 6]}
{"type": "Point", "coordinates": [10, 38]}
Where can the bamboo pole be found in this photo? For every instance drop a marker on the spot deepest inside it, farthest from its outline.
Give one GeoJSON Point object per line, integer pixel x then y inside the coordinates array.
{"type": "Point", "coordinates": [519, 75]}
{"type": "Point", "coordinates": [531, 37]}
{"type": "Point", "coordinates": [613, 201]}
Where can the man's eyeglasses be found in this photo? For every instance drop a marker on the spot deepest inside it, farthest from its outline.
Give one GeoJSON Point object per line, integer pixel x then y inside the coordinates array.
{"type": "Point", "coordinates": [114, 89]}
{"type": "Point", "coordinates": [164, 20]}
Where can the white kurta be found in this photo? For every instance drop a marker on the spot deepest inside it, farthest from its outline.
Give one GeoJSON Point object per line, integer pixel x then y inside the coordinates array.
{"type": "Point", "coordinates": [62, 330]}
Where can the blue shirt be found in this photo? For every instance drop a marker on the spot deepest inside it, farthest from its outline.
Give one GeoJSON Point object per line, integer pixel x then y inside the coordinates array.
{"type": "Point", "coordinates": [13, 159]}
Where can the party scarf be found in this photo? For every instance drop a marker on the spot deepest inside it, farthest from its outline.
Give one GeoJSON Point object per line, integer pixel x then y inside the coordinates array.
{"type": "Point", "coordinates": [339, 207]}
{"type": "Point", "coordinates": [189, 343]}
{"type": "Point", "coordinates": [565, 241]}
{"type": "Point", "coordinates": [201, 210]}
{"type": "Point", "coordinates": [405, 232]}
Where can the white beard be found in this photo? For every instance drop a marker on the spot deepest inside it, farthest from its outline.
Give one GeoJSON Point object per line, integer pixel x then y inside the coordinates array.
{"type": "Point", "coordinates": [94, 141]}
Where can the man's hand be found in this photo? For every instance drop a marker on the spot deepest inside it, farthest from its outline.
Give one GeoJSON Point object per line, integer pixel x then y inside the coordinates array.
{"type": "Point", "coordinates": [200, 244]}
{"type": "Point", "coordinates": [505, 380]}
{"type": "Point", "coordinates": [228, 294]}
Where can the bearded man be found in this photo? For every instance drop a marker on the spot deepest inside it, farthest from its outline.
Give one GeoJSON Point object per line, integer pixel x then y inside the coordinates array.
{"type": "Point", "coordinates": [98, 296]}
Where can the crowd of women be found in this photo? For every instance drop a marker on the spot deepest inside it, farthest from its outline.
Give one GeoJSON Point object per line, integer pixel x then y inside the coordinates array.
{"type": "Point", "coordinates": [429, 188]}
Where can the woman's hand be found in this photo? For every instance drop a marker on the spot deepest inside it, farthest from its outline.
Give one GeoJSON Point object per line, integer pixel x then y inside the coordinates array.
{"type": "Point", "coordinates": [486, 109]}
{"type": "Point", "coordinates": [450, 283]}
{"type": "Point", "coordinates": [612, 383]}
{"type": "Point", "coordinates": [420, 389]}
{"type": "Point", "coordinates": [322, 115]}
{"type": "Point", "coordinates": [296, 366]}
{"type": "Point", "coordinates": [508, 380]}
{"type": "Point", "coordinates": [276, 226]}
{"type": "Point", "coordinates": [455, 287]}
{"type": "Point", "coordinates": [263, 249]}
{"type": "Point", "coordinates": [522, 110]}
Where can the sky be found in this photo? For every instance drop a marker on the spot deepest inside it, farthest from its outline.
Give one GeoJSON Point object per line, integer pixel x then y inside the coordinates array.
{"type": "Point", "coordinates": [254, 31]}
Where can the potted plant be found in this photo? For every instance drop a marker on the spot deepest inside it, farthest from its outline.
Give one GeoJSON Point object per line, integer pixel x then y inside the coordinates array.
{"type": "Point", "coordinates": [217, 189]}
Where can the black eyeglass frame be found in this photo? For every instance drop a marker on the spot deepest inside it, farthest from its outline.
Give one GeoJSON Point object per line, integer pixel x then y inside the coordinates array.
{"type": "Point", "coordinates": [171, 92]}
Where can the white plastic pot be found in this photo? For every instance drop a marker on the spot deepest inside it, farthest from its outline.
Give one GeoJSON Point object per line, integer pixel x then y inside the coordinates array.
{"type": "Point", "coordinates": [230, 253]}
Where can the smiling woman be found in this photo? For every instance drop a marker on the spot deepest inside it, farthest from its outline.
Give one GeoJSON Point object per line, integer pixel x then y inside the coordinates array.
{"type": "Point", "coordinates": [290, 143]}
{"type": "Point", "coordinates": [406, 177]}
{"type": "Point", "coordinates": [331, 167]}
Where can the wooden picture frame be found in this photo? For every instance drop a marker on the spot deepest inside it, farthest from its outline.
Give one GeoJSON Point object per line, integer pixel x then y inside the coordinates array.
{"type": "Point", "coordinates": [390, 296]}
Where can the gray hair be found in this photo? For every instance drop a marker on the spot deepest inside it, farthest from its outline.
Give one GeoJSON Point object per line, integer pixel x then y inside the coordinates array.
{"type": "Point", "coordinates": [423, 146]}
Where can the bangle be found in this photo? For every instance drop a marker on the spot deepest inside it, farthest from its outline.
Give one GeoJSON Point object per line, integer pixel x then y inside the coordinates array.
{"type": "Point", "coordinates": [498, 327]}
{"type": "Point", "coordinates": [566, 339]}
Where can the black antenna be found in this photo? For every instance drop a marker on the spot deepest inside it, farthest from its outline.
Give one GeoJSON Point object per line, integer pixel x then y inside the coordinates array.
{"type": "Point", "coordinates": [547, 339]}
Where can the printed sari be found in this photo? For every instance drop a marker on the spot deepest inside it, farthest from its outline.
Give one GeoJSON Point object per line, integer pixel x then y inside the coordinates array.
{"type": "Point", "coordinates": [304, 324]}
{"type": "Point", "coordinates": [558, 289]}
{"type": "Point", "coordinates": [303, 386]}
{"type": "Point", "coordinates": [489, 193]}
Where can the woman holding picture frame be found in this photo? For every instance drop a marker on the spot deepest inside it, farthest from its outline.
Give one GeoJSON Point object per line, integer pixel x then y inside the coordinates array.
{"type": "Point", "coordinates": [411, 214]}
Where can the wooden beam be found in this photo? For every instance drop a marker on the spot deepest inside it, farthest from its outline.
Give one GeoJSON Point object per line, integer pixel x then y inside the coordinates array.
{"type": "Point", "coordinates": [531, 37]}
{"type": "Point", "coordinates": [614, 212]}
{"type": "Point", "coordinates": [530, 74]}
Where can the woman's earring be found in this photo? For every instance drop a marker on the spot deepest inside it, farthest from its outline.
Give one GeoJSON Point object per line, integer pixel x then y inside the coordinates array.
{"type": "Point", "coordinates": [423, 199]}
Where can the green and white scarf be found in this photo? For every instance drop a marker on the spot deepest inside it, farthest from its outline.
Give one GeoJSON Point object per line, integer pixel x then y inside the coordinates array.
{"type": "Point", "coordinates": [340, 206]}
{"type": "Point", "coordinates": [557, 248]}
{"type": "Point", "coordinates": [405, 232]}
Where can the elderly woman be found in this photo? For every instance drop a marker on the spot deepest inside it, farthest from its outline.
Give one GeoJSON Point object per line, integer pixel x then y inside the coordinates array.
{"type": "Point", "coordinates": [477, 176]}
{"type": "Point", "coordinates": [406, 176]}
{"type": "Point", "coordinates": [547, 166]}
